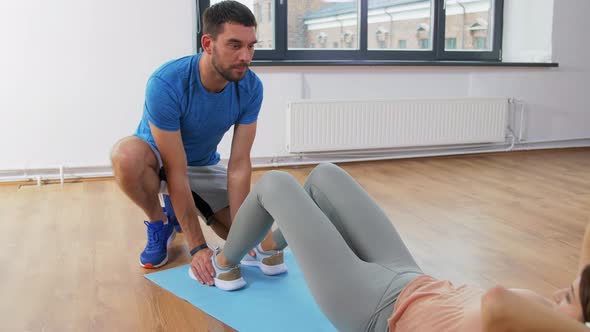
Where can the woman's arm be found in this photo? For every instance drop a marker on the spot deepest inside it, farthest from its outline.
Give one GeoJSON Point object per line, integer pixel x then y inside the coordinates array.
{"type": "Point", "coordinates": [503, 311]}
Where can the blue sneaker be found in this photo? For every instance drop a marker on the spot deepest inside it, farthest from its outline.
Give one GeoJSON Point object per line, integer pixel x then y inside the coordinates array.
{"type": "Point", "coordinates": [159, 237]}
{"type": "Point", "coordinates": [169, 212]}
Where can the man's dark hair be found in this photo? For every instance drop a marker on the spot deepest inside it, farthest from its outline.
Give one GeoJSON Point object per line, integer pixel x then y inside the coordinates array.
{"type": "Point", "coordinates": [226, 11]}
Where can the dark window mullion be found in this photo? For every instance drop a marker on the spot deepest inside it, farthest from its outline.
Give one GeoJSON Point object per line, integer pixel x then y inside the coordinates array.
{"type": "Point", "coordinates": [498, 28]}
{"type": "Point", "coordinates": [281, 28]}
{"type": "Point", "coordinates": [364, 29]}
{"type": "Point", "coordinates": [439, 24]}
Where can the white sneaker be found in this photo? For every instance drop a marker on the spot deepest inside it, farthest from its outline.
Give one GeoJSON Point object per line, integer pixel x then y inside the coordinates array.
{"type": "Point", "coordinates": [271, 262]}
{"type": "Point", "coordinates": [226, 278]}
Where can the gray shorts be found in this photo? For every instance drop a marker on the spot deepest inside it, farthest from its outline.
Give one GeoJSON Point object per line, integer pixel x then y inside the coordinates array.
{"type": "Point", "coordinates": [208, 184]}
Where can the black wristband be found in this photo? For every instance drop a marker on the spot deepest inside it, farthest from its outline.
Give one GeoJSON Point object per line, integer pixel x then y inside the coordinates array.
{"type": "Point", "coordinates": [198, 248]}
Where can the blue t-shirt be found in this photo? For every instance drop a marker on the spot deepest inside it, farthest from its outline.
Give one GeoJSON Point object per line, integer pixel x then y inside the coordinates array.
{"type": "Point", "coordinates": [176, 100]}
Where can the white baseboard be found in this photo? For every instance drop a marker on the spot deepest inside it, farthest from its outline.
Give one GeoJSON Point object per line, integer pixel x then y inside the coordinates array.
{"type": "Point", "coordinates": [550, 144]}
{"type": "Point", "coordinates": [72, 173]}
{"type": "Point", "coordinates": [44, 174]}
{"type": "Point", "coordinates": [358, 156]}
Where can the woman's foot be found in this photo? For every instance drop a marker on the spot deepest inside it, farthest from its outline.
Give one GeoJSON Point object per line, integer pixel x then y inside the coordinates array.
{"type": "Point", "coordinates": [271, 262]}
{"type": "Point", "coordinates": [228, 277]}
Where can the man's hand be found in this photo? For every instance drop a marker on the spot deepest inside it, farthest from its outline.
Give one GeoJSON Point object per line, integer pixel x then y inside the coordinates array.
{"type": "Point", "coordinates": [202, 267]}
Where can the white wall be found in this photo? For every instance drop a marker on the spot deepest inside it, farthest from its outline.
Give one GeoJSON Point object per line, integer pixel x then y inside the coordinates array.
{"type": "Point", "coordinates": [74, 72]}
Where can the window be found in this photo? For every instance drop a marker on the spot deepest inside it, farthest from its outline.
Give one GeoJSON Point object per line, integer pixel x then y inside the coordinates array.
{"type": "Point", "coordinates": [450, 43]}
{"type": "Point", "coordinates": [423, 35]}
{"type": "Point", "coordinates": [322, 39]}
{"type": "Point", "coordinates": [472, 24]}
{"type": "Point", "coordinates": [377, 30]}
{"type": "Point", "coordinates": [348, 39]}
{"type": "Point", "coordinates": [479, 43]}
{"type": "Point", "coordinates": [424, 43]}
{"type": "Point", "coordinates": [306, 18]}
{"type": "Point", "coordinates": [382, 37]}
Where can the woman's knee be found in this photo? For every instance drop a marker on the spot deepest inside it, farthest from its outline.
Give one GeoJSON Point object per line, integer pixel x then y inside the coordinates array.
{"type": "Point", "coordinates": [275, 181]}
{"type": "Point", "coordinates": [322, 172]}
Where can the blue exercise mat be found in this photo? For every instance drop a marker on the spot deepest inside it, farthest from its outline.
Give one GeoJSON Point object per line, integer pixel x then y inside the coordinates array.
{"type": "Point", "coordinates": [267, 303]}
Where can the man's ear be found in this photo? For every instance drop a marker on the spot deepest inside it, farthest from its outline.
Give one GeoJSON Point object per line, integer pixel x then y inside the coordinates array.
{"type": "Point", "coordinates": [207, 43]}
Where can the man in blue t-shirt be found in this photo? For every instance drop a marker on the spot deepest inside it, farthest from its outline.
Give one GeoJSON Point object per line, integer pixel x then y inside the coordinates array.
{"type": "Point", "coordinates": [190, 104]}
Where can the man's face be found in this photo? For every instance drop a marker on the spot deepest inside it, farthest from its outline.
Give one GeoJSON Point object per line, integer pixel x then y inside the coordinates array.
{"type": "Point", "coordinates": [233, 50]}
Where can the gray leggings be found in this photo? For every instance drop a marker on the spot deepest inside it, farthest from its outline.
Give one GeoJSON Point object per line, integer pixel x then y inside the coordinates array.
{"type": "Point", "coordinates": [353, 260]}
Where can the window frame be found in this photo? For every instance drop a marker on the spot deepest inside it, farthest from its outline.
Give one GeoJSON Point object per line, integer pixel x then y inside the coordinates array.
{"type": "Point", "coordinates": [495, 54]}
{"type": "Point", "coordinates": [436, 53]}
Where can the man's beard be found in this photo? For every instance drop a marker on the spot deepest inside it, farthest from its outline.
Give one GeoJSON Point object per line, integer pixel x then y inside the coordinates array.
{"type": "Point", "coordinates": [227, 73]}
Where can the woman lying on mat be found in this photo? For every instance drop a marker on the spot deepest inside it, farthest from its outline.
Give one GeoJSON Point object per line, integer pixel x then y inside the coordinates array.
{"type": "Point", "coordinates": [362, 275]}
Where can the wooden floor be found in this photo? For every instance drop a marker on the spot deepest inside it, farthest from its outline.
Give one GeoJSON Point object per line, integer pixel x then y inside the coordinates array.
{"type": "Point", "coordinates": [69, 254]}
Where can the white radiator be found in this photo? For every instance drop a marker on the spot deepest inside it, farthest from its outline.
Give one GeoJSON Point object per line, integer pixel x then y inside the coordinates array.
{"type": "Point", "coordinates": [317, 126]}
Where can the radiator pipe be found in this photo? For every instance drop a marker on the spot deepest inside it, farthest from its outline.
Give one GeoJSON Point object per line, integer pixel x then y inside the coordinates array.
{"type": "Point", "coordinates": [61, 175]}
